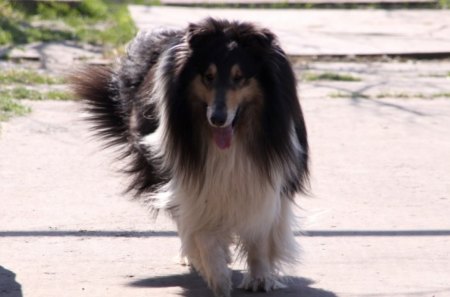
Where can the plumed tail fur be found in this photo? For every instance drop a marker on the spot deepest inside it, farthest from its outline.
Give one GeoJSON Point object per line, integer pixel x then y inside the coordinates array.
{"type": "Point", "coordinates": [110, 115]}
{"type": "Point", "coordinates": [94, 85]}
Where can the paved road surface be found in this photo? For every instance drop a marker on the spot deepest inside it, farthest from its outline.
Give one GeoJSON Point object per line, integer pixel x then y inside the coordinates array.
{"type": "Point", "coordinates": [325, 32]}
{"type": "Point", "coordinates": [378, 221]}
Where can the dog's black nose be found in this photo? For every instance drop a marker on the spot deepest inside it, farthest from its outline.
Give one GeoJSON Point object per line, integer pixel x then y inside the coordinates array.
{"type": "Point", "coordinates": [218, 118]}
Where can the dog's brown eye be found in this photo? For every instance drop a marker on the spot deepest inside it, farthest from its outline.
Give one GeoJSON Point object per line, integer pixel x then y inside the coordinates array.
{"type": "Point", "coordinates": [238, 79]}
{"type": "Point", "coordinates": [208, 78]}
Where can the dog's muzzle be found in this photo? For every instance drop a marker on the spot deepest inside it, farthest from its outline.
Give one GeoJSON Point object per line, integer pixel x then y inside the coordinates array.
{"type": "Point", "coordinates": [221, 121]}
{"type": "Point", "coordinates": [218, 118]}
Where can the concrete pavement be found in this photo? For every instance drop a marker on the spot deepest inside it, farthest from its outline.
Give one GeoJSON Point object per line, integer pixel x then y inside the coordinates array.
{"type": "Point", "coordinates": [325, 32]}
{"type": "Point", "coordinates": [290, 2]}
{"type": "Point", "coordinates": [377, 223]}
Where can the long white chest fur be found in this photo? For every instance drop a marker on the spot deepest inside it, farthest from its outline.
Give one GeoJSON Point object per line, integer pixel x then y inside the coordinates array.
{"type": "Point", "coordinates": [231, 196]}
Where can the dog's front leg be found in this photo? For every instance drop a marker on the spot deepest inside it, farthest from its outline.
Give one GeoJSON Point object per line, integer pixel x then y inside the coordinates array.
{"type": "Point", "coordinates": [262, 275]}
{"type": "Point", "coordinates": [269, 250]}
{"type": "Point", "coordinates": [213, 251]}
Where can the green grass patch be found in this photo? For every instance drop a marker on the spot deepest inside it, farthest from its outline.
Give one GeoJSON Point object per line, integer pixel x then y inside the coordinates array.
{"type": "Point", "coordinates": [348, 95]}
{"type": "Point", "coordinates": [18, 93]}
{"type": "Point", "coordinates": [10, 108]}
{"type": "Point", "coordinates": [94, 9]}
{"type": "Point", "coordinates": [444, 4]}
{"type": "Point", "coordinates": [401, 95]}
{"type": "Point", "coordinates": [441, 95]}
{"type": "Point", "coordinates": [93, 21]}
{"type": "Point", "coordinates": [28, 77]}
{"type": "Point", "coordinates": [21, 93]}
{"type": "Point", "coordinates": [16, 27]}
{"type": "Point", "coordinates": [58, 95]}
{"type": "Point", "coordinates": [436, 75]}
{"type": "Point", "coordinates": [330, 76]}
{"type": "Point", "coordinates": [404, 95]}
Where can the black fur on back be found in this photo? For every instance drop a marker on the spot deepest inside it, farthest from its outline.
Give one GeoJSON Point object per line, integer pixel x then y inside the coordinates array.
{"type": "Point", "coordinates": [125, 103]}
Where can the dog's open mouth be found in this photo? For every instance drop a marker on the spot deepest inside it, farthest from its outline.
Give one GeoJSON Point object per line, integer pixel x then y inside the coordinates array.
{"type": "Point", "coordinates": [223, 135]}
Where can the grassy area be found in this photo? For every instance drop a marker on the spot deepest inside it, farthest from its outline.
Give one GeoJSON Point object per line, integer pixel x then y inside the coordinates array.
{"type": "Point", "coordinates": [10, 108]}
{"type": "Point", "coordinates": [10, 104]}
{"type": "Point", "coordinates": [444, 4]}
{"type": "Point", "coordinates": [11, 95]}
{"type": "Point", "coordinates": [330, 76]}
{"type": "Point", "coordinates": [401, 95]}
{"type": "Point", "coordinates": [93, 21]}
{"type": "Point", "coordinates": [32, 94]}
{"type": "Point", "coordinates": [348, 95]}
{"type": "Point", "coordinates": [23, 76]}
{"type": "Point", "coordinates": [98, 22]}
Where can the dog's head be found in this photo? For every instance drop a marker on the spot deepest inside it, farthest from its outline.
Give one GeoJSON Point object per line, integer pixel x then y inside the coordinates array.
{"type": "Point", "coordinates": [226, 58]}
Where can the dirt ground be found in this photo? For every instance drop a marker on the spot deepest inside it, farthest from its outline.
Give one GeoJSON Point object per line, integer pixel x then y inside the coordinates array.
{"type": "Point", "coordinates": [377, 223]}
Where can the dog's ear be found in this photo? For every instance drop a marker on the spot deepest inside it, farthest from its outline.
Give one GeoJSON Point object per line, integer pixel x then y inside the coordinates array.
{"type": "Point", "coordinates": [257, 39]}
{"type": "Point", "coordinates": [198, 33]}
{"type": "Point", "coordinates": [195, 34]}
{"type": "Point", "coordinates": [262, 38]}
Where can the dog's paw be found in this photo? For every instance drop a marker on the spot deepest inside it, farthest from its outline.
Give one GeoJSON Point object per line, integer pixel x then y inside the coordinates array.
{"type": "Point", "coordinates": [265, 284]}
{"type": "Point", "coordinates": [221, 287]}
{"type": "Point", "coordinates": [223, 290]}
{"type": "Point", "coordinates": [183, 260]}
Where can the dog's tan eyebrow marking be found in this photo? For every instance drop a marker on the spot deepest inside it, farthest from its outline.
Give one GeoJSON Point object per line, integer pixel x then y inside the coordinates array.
{"type": "Point", "coordinates": [201, 92]}
{"type": "Point", "coordinates": [236, 76]}
{"type": "Point", "coordinates": [211, 70]}
{"type": "Point", "coordinates": [236, 71]}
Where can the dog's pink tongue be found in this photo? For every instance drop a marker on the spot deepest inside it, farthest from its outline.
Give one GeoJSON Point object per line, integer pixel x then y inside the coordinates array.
{"type": "Point", "coordinates": [222, 137]}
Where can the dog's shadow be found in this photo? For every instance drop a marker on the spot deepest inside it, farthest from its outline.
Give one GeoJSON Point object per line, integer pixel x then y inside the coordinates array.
{"type": "Point", "coordinates": [193, 286]}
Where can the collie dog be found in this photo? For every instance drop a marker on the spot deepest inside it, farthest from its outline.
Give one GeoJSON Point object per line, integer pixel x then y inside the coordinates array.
{"type": "Point", "coordinates": [209, 119]}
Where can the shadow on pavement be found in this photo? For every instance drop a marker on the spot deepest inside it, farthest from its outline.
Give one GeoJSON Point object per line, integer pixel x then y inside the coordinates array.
{"type": "Point", "coordinates": [194, 286]}
{"type": "Point", "coordinates": [149, 234]}
{"type": "Point", "coordinates": [8, 285]}
{"type": "Point", "coordinates": [362, 95]}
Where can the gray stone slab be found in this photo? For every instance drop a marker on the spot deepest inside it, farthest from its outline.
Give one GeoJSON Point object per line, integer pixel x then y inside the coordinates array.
{"type": "Point", "coordinates": [55, 56]}
{"type": "Point", "coordinates": [325, 32]}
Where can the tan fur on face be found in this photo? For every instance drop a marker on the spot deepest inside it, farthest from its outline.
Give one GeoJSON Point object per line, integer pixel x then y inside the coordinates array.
{"type": "Point", "coordinates": [250, 91]}
{"type": "Point", "coordinates": [247, 90]}
{"type": "Point", "coordinates": [212, 70]}
{"type": "Point", "coordinates": [241, 90]}
{"type": "Point", "coordinates": [235, 74]}
{"type": "Point", "coordinates": [199, 91]}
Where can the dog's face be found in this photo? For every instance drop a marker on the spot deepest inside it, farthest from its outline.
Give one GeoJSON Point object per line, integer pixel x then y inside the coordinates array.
{"type": "Point", "coordinates": [226, 83]}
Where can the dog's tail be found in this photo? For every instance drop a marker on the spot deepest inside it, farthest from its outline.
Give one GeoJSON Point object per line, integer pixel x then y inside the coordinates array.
{"type": "Point", "coordinates": [107, 113]}
{"type": "Point", "coordinates": [110, 114]}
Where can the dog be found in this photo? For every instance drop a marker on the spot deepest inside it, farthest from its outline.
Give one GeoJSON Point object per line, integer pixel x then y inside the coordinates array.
{"type": "Point", "coordinates": [209, 120]}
